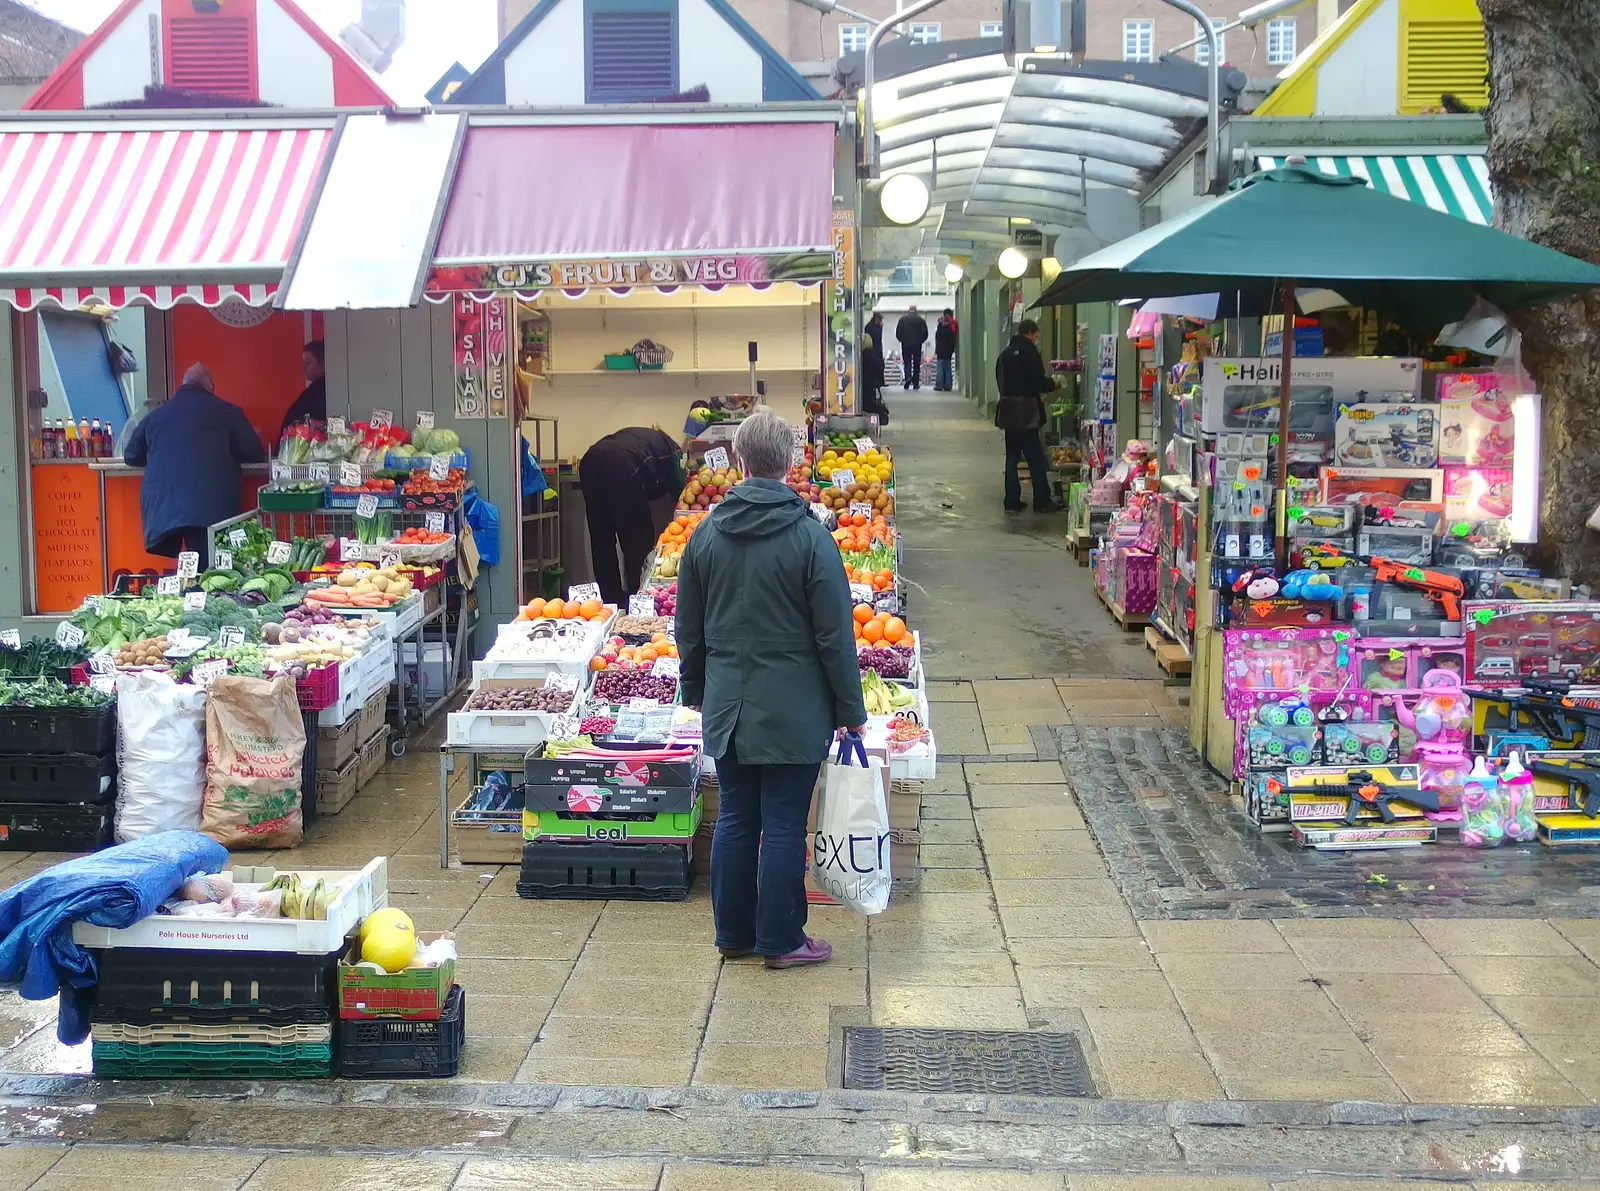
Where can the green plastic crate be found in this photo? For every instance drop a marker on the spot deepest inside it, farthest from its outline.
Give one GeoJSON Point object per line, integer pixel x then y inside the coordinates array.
{"type": "Point", "coordinates": [205, 1060]}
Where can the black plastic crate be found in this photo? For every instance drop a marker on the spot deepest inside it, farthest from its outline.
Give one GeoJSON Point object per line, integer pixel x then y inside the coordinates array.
{"type": "Point", "coordinates": [150, 985]}
{"type": "Point", "coordinates": [391, 1048]}
{"type": "Point", "coordinates": [56, 826]}
{"type": "Point", "coordinates": [59, 777]}
{"type": "Point", "coordinates": [308, 772]}
{"type": "Point", "coordinates": [634, 872]}
{"type": "Point", "coordinates": [90, 730]}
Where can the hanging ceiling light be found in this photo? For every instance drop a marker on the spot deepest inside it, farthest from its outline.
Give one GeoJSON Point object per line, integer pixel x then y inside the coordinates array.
{"type": "Point", "coordinates": [953, 273]}
{"type": "Point", "coordinates": [903, 199]}
{"type": "Point", "coordinates": [1013, 263]}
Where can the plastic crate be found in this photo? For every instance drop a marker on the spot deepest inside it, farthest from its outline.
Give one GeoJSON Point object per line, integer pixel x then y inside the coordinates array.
{"type": "Point", "coordinates": [336, 787]}
{"type": "Point", "coordinates": [389, 1048]}
{"type": "Point", "coordinates": [56, 826]}
{"type": "Point", "coordinates": [319, 689]}
{"type": "Point", "coordinates": [289, 502]}
{"type": "Point", "coordinates": [58, 777]}
{"type": "Point", "coordinates": [131, 1034]}
{"type": "Point", "coordinates": [60, 729]}
{"type": "Point", "coordinates": [395, 462]}
{"type": "Point", "coordinates": [150, 986]}
{"type": "Point", "coordinates": [212, 1060]}
{"type": "Point", "coordinates": [631, 872]}
{"type": "Point", "coordinates": [349, 499]}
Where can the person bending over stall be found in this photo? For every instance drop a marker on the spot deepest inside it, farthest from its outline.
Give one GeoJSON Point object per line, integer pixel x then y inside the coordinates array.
{"type": "Point", "coordinates": [767, 652]}
{"type": "Point", "coordinates": [631, 481]}
{"type": "Point", "coordinates": [191, 447]}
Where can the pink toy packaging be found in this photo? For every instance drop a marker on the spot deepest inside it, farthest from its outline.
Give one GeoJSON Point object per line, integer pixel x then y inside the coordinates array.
{"type": "Point", "coordinates": [1474, 419]}
{"type": "Point", "coordinates": [1441, 718]}
{"type": "Point", "coordinates": [1476, 494]}
{"type": "Point", "coordinates": [1282, 660]}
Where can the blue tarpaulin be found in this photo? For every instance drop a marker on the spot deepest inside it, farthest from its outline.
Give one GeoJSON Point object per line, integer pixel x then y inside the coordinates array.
{"type": "Point", "coordinates": [113, 888]}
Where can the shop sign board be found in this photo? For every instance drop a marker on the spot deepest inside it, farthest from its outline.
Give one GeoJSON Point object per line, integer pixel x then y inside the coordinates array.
{"type": "Point", "coordinates": [497, 354]}
{"type": "Point", "coordinates": [838, 309]}
{"type": "Point", "coordinates": [717, 268]}
{"type": "Point", "coordinates": [469, 374]}
{"type": "Point", "coordinates": [66, 538]}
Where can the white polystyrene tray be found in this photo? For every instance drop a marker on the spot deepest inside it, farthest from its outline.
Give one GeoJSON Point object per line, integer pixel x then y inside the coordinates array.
{"type": "Point", "coordinates": [509, 729]}
{"type": "Point", "coordinates": [368, 892]}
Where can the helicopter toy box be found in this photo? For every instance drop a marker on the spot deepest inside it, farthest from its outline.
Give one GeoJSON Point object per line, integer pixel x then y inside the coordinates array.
{"type": "Point", "coordinates": [1366, 434]}
{"type": "Point", "coordinates": [1242, 394]}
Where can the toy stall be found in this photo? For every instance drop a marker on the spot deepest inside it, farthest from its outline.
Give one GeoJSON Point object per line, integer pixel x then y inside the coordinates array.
{"type": "Point", "coordinates": [583, 766]}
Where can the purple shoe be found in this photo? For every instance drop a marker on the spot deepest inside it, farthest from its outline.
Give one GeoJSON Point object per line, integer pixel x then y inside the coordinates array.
{"type": "Point", "coordinates": [812, 951]}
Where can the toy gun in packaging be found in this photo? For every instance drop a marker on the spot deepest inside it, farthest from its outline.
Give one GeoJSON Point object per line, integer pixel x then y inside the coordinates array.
{"type": "Point", "coordinates": [1445, 590]}
{"type": "Point", "coordinates": [1567, 716]}
{"type": "Point", "coordinates": [1365, 789]}
{"type": "Point", "coordinates": [1582, 779]}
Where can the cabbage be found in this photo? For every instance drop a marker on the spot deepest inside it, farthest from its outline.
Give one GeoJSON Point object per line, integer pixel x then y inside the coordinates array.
{"type": "Point", "coordinates": [404, 450]}
{"type": "Point", "coordinates": [440, 441]}
{"type": "Point", "coordinates": [419, 441]}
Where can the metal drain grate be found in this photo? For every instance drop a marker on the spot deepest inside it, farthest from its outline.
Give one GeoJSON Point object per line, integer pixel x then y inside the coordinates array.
{"type": "Point", "coordinates": [1009, 1061]}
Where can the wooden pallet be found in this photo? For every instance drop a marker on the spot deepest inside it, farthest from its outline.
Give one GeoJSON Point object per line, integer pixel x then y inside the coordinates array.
{"type": "Point", "coordinates": [1080, 543]}
{"type": "Point", "coordinates": [1170, 656]}
{"type": "Point", "coordinates": [1130, 621]}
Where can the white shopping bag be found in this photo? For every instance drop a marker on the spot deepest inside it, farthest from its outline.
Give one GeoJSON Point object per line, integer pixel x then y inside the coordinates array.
{"type": "Point", "coordinates": [850, 848]}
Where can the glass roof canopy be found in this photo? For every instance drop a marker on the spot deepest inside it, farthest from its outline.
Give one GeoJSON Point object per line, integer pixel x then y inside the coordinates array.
{"type": "Point", "coordinates": [998, 140]}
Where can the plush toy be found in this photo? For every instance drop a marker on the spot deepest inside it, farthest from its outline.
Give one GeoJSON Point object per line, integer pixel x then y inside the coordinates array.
{"type": "Point", "coordinates": [1310, 585]}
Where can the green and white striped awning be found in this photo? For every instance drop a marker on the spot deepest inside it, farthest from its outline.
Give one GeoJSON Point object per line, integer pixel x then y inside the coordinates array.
{"type": "Point", "coordinates": [1457, 184]}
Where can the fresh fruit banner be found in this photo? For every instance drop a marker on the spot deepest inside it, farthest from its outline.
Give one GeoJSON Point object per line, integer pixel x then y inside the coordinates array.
{"type": "Point", "coordinates": [714, 269]}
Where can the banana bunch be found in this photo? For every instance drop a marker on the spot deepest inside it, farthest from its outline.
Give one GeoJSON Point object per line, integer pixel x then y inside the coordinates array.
{"type": "Point", "coordinates": [301, 900]}
{"type": "Point", "coordinates": [883, 698]}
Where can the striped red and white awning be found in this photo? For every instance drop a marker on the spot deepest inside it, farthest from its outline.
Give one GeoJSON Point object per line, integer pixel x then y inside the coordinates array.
{"type": "Point", "coordinates": [221, 205]}
{"type": "Point", "coordinates": [163, 297]}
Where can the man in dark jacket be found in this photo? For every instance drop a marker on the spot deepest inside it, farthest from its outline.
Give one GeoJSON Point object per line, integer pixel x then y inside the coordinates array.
{"type": "Point", "coordinates": [312, 404]}
{"type": "Point", "coordinates": [875, 329]}
{"type": "Point", "coordinates": [191, 447]}
{"type": "Point", "coordinates": [1020, 376]}
{"type": "Point", "coordinates": [768, 653]}
{"type": "Point", "coordinates": [944, 352]}
{"type": "Point", "coordinates": [631, 480]}
{"type": "Point", "coordinates": [870, 380]}
{"type": "Point", "coordinates": [912, 332]}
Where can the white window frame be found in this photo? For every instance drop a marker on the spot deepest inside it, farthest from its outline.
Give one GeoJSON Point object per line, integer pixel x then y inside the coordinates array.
{"type": "Point", "coordinates": [923, 33]}
{"type": "Point", "coordinates": [1202, 50]}
{"type": "Point", "coordinates": [991, 29]}
{"type": "Point", "coordinates": [848, 35]}
{"type": "Point", "coordinates": [1278, 30]}
{"type": "Point", "coordinates": [1139, 41]}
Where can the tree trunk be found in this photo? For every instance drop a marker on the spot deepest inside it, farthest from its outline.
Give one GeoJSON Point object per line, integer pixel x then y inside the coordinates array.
{"type": "Point", "coordinates": [1544, 162]}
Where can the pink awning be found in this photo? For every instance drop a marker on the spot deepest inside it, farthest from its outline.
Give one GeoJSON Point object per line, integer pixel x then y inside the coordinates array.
{"type": "Point", "coordinates": [526, 193]}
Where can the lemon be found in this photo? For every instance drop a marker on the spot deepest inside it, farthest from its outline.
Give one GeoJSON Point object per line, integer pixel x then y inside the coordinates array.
{"type": "Point", "coordinates": [828, 456]}
{"type": "Point", "coordinates": [383, 918]}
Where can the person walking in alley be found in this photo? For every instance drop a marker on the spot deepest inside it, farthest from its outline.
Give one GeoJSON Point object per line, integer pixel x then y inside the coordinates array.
{"type": "Point", "coordinates": [1020, 376]}
{"type": "Point", "coordinates": [944, 352]}
{"type": "Point", "coordinates": [912, 332]}
{"type": "Point", "coordinates": [767, 652]}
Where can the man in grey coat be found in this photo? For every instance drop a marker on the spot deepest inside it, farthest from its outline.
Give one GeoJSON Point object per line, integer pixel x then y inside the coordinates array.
{"type": "Point", "coordinates": [767, 651]}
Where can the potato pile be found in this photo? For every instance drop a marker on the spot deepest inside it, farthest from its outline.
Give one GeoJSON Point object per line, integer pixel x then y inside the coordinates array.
{"type": "Point", "coordinates": [522, 698]}
{"type": "Point", "coordinates": [149, 652]}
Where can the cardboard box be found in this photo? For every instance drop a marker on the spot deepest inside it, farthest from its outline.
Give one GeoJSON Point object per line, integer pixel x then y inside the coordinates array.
{"type": "Point", "coordinates": [537, 770]}
{"type": "Point", "coordinates": [1242, 394]}
{"type": "Point", "coordinates": [1336, 837]}
{"type": "Point", "coordinates": [417, 994]}
{"type": "Point", "coordinates": [1371, 435]}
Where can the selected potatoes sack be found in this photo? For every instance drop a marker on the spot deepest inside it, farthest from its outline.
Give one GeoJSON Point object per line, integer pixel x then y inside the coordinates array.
{"type": "Point", "coordinates": [255, 746]}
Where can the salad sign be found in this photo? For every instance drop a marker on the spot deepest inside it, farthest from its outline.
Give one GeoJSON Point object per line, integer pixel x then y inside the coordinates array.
{"type": "Point", "coordinates": [167, 585]}
{"type": "Point", "coordinates": [278, 552]}
{"type": "Point", "coordinates": [11, 638]}
{"type": "Point", "coordinates": [188, 564]}
{"type": "Point", "coordinates": [579, 592]}
{"type": "Point", "coordinates": [194, 601]}
{"type": "Point", "coordinates": [366, 506]}
{"type": "Point", "coordinates": [424, 419]}
{"type": "Point", "coordinates": [336, 426]}
{"type": "Point", "coordinates": [224, 560]}
{"type": "Point", "coordinates": [349, 550]}
{"type": "Point", "coordinates": [320, 473]}
{"type": "Point", "coordinates": [434, 522]}
{"type": "Point", "coordinates": [237, 537]}
{"type": "Point", "coordinates": [439, 467]}
{"type": "Point", "coordinates": [717, 458]}
{"type": "Point", "coordinates": [842, 477]}
{"type": "Point", "coordinates": [381, 418]}
{"type": "Point", "coordinates": [230, 637]}
{"type": "Point", "coordinates": [642, 605]}
{"type": "Point", "coordinates": [350, 475]}
{"type": "Point", "coordinates": [68, 635]}
{"type": "Point", "coordinates": [798, 433]}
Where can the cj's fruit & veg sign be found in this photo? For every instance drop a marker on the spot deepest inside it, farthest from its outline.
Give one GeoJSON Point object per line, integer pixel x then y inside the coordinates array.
{"type": "Point", "coordinates": [618, 272]}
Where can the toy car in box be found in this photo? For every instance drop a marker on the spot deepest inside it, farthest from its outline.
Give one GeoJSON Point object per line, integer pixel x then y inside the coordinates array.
{"type": "Point", "coordinates": [1349, 742]}
{"type": "Point", "coordinates": [1370, 435]}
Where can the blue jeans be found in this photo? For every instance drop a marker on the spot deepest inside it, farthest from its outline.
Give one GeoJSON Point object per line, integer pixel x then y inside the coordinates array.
{"type": "Point", "coordinates": [944, 374]}
{"type": "Point", "coordinates": [758, 855]}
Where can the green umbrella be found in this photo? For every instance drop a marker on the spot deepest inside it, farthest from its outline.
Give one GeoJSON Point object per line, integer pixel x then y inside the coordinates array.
{"type": "Point", "coordinates": [1328, 232]}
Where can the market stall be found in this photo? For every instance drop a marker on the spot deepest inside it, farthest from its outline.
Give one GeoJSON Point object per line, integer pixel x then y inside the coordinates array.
{"type": "Point", "coordinates": [1345, 541]}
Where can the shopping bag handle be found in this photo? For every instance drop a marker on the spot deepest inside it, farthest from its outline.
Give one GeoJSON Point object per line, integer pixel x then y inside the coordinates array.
{"type": "Point", "coordinates": [848, 743]}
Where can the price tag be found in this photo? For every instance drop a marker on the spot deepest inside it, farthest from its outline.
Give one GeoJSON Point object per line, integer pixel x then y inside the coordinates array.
{"type": "Point", "coordinates": [439, 467]}
{"type": "Point", "coordinates": [320, 473]}
{"type": "Point", "coordinates": [68, 635]}
{"type": "Point", "coordinates": [94, 605]}
{"type": "Point", "coordinates": [862, 507]}
{"type": "Point", "coordinates": [861, 593]}
{"type": "Point", "coordinates": [389, 558]}
{"type": "Point", "coordinates": [237, 538]}
{"type": "Point", "coordinates": [11, 638]}
{"type": "Point", "coordinates": [884, 601]}
{"type": "Point", "coordinates": [382, 418]}
{"type": "Point", "coordinates": [349, 550]}
{"type": "Point", "coordinates": [797, 457]}
{"type": "Point", "coordinates": [281, 472]}
{"type": "Point", "coordinates": [842, 477]}
{"type": "Point", "coordinates": [193, 601]}
{"type": "Point", "coordinates": [224, 560]}
{"type": "Point", "coordinates": [665, 668]}
{"type": "Point", "coordinates": [565, 727]}
{"type": "Point", "coordinates": [205, 673]}
{"type": "Point", "coordinates": [798, 433]}
{"type": "Point", "coordinates": [102, 663]}
{"type": "Point", "coordinates": [367, 506]}
{"type": "Point", "coordinates": [556, 680]}
{"type": "Point", "coordinates": [717, 459]}
{"type": "Point", "coordinates": [188, 564]}
{"type": "Point", "coordinates": [638, 703]}
{"type": "Point", "coordinates": [424, 419]}
{"type": "Point", "coordinates": [863, 445]}
{"type": "Point", "coordinates": [350, 475]}
{"type": "Point", "coordinates": [641, 605]}
{"type": "Point", "coordinates": [579, 592]}
{"type": "Point", "coordinates": [177, 638]}
{"type": "Point", "coordinates": [167, 585]}
{"type": "Point", "coordinates": [336, 426]}
{"type": "Point", "coordinates": [104, 683]}
{"type": "Point", "coordinates": [278, 552]}
{"type": "Point", "coordinates": [821, 512]}
{"type": "Point", "coordinates": [231, 637]}
{"type": "Point", "coordinates": [434, 522]}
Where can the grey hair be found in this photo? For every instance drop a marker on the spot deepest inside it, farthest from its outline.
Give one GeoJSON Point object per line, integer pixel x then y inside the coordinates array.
{"type": "Point", "coordinates": [199, 374]}
{"type": "Point", "coordinates": [764, 444]}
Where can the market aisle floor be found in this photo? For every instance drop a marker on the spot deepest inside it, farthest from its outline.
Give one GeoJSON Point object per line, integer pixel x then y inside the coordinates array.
{"type": "Point", "coordinates": [1053, 728]}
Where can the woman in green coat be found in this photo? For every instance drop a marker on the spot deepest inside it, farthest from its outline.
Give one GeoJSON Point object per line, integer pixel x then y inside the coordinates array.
{"type": "Point", "coordinates": [768, 653]}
